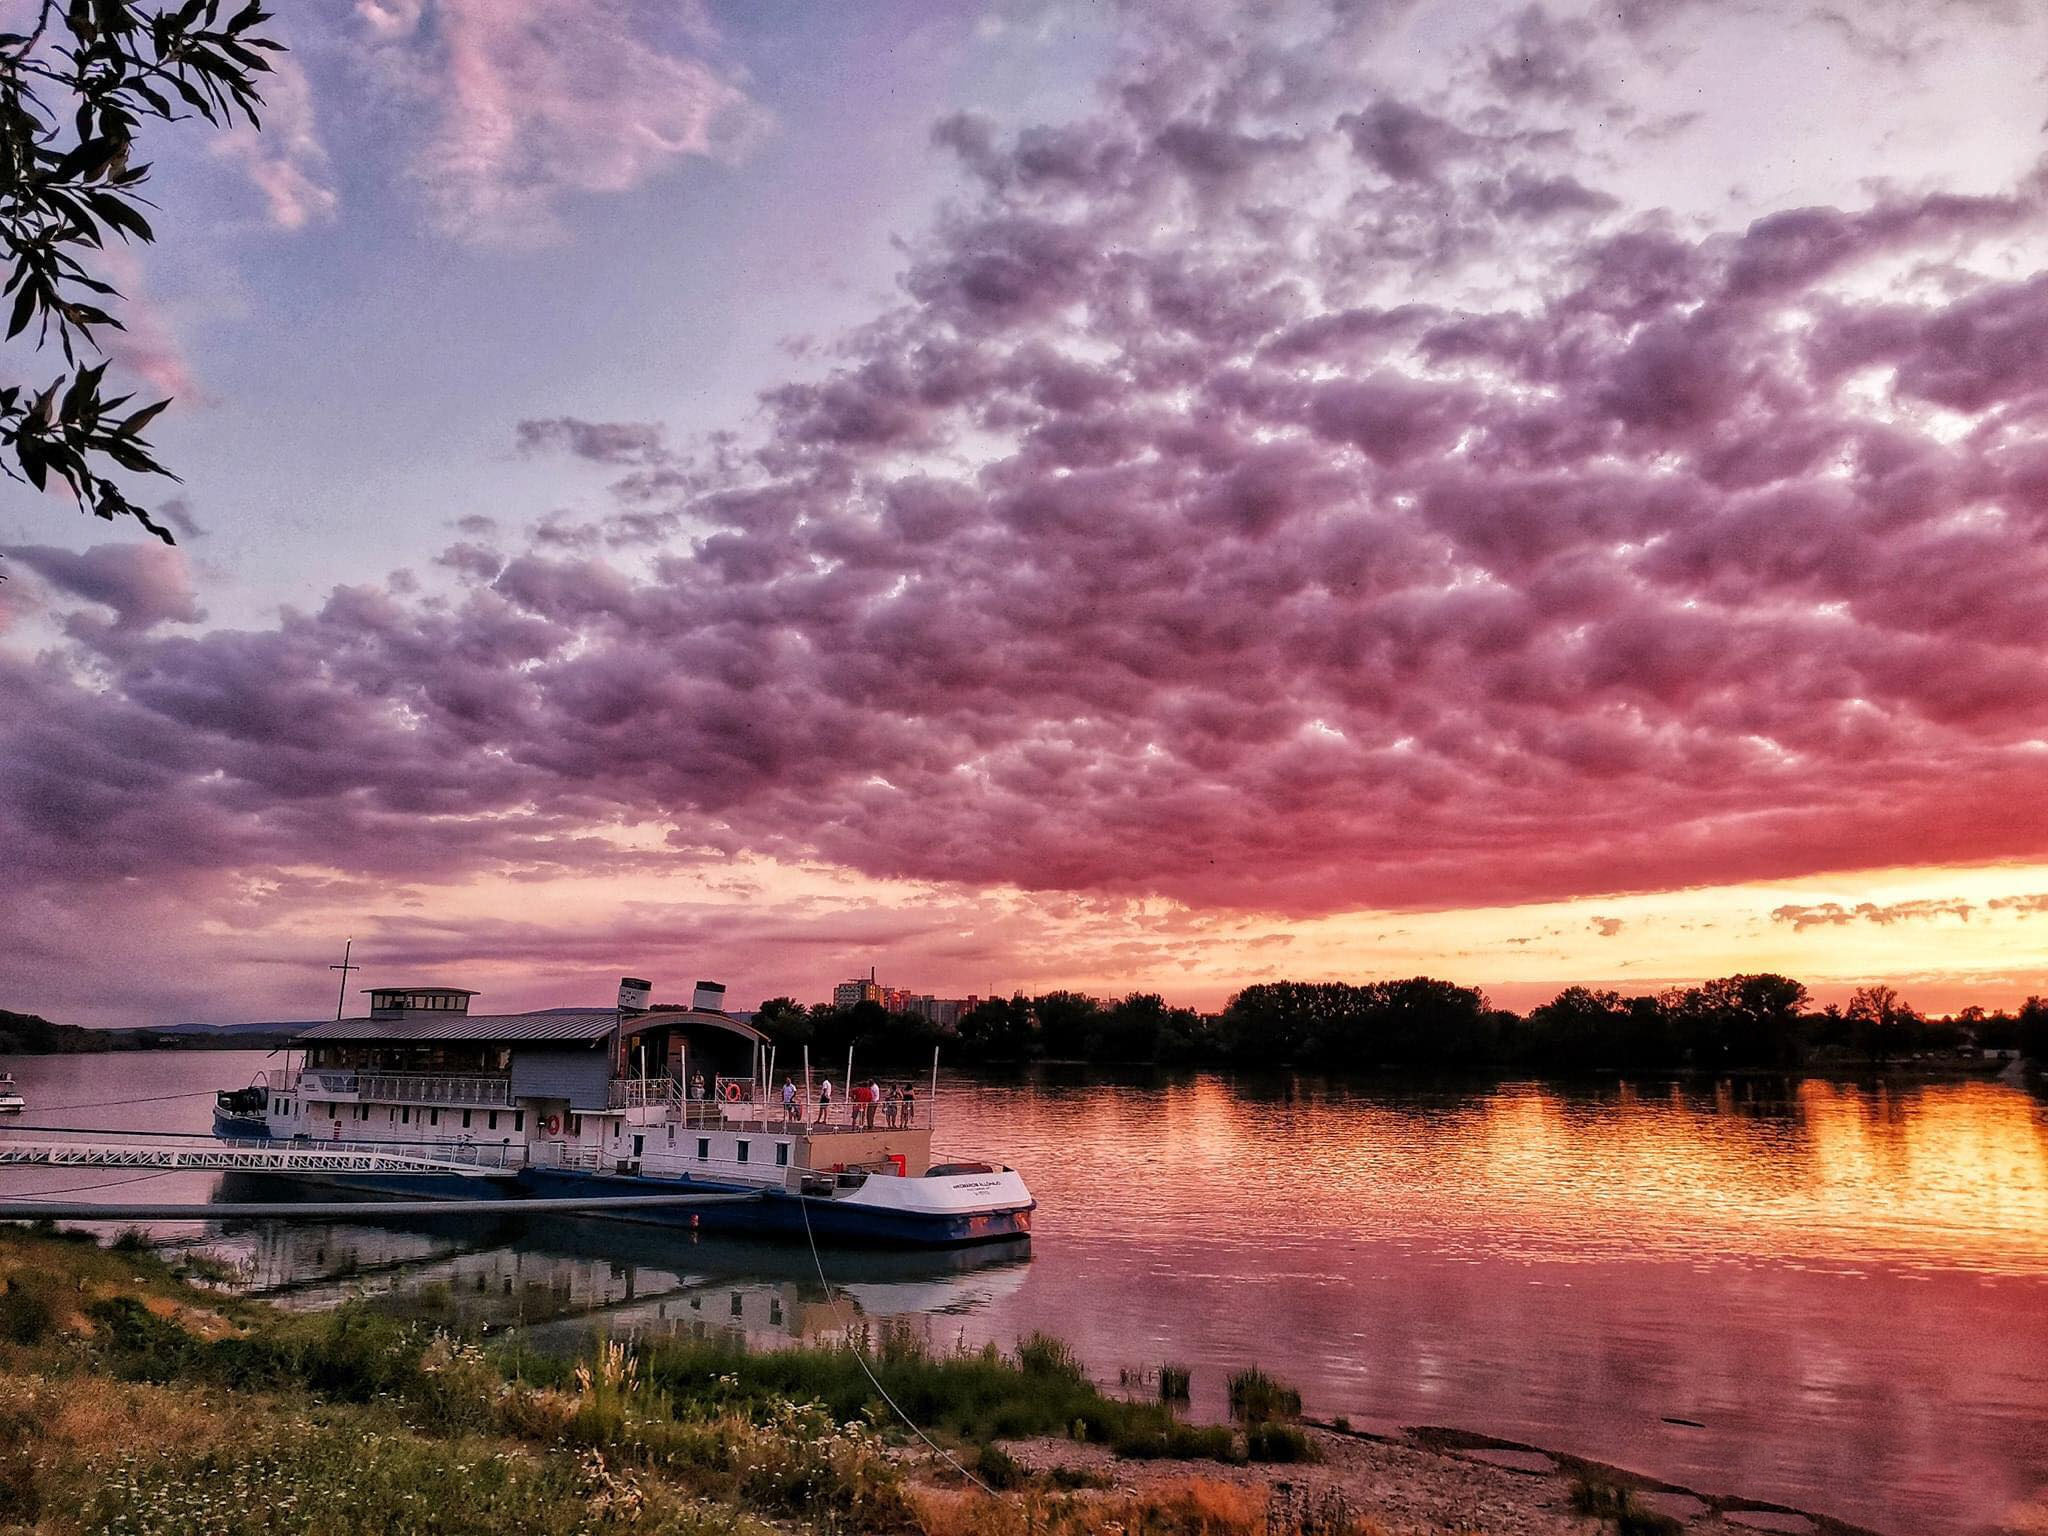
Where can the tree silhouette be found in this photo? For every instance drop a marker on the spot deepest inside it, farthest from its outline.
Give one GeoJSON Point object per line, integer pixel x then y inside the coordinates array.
{"type": "Point", "coordinates": [74, 92]}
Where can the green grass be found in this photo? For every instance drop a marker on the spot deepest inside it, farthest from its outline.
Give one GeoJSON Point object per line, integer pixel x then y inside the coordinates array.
{"type": "Point", "coordinates": [974, 1397]}
{"type": "Point", "coordinates": [329, 1480]}
{"type": "Point", "coordinates": [28, 1308]}
{"type": "Point", "coordinates": [1256, 1398]}
{"type": "Point", "coordinates": [1279, 1442]}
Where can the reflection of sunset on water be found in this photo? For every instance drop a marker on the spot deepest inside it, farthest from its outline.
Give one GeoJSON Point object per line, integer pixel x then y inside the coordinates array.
{"type": "Point", "coordinates": [1846, 1286]}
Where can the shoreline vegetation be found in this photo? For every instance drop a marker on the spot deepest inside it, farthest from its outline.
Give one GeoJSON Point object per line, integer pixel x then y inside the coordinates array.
{"type": "Point", "coordinates": [30, 1034]}
{"type": "Point", "coordinates": [136, 1400]}
{"type": "Point", "coordinates": [1760, 1022]}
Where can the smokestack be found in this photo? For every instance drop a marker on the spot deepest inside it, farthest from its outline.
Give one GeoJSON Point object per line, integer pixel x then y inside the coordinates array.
{"type": "Point", "coordinates": [710, 996]}
{"type": "Point", "coordinates": [633, 994]}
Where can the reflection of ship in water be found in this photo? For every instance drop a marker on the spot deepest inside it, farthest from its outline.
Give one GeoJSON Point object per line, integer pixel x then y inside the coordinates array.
{"type": "Point", "coordinates": [561, 1280]}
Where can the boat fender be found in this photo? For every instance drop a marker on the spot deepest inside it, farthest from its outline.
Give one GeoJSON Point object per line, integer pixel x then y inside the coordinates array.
{"type": "Point", "coordinates": [554, 1124]}
{"type": "Point", "coordinates": [901, 1164]}
{"type": "Point", "coordinates": [732, 1093]}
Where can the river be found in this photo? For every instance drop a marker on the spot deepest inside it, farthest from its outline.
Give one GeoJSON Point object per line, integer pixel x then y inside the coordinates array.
{"type": "Point", "coordinates": [1830, 1295]}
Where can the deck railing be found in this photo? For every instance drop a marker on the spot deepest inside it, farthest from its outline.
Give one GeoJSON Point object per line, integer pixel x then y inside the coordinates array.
{"type": "Point", "coordinates": [745, 1115]}
{"type": "Point", "coordinates": [407, 1088]}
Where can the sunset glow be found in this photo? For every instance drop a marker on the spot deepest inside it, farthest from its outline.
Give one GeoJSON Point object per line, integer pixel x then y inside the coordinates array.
{"type": "Point", "coordinates": [1044, 496]}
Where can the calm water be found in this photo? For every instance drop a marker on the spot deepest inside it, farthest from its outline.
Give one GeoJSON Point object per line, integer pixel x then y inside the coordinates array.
{"type": "Point", "coordinates": [1846, 1287]}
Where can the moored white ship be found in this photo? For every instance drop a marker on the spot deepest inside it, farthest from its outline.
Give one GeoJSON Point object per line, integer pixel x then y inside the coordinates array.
{"type": "Point", "coordinates": [11, 1101]}
{"type": "Point", "coordinates": [627, 1101]}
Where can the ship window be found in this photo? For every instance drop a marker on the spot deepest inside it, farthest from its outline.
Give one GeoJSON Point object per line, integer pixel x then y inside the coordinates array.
{"type": "Point", "coordinates": [334, 1111]}
{"type": "Point", "coordinates": [393, 1115]}
{"type": "Point", "coordinates": [703, 1149]}
{"type": "Point", "coordinates": [494, 1120]}
{"type": "Point", "coordinates": [518, 1119]}
{"type": "Point", "coordinates": [433, 1117]}
{"type": "Point", "coordinates": [576, 1125]}
{"type": "Point", "coordinates": [743, 1151]}
{"type": "Point", "coordinates": [405, 1115]}
{"type": "Point", "coordinates": [465, 1119]}
{"type": "Point", "coordinates": [782, 1154]}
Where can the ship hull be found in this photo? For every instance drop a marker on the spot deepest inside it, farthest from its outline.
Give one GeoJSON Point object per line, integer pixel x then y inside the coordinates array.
{"type": "Point", "coordinates": [847, 1220]}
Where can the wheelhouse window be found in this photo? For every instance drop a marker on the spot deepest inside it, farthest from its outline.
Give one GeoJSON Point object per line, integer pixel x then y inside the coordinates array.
{"type": "Point", "coordinates": [703, 1149]}
{"type": "Point", "coordinates": [743, 1146]}
{"type": "Point", "coordinates": [782, 1154]}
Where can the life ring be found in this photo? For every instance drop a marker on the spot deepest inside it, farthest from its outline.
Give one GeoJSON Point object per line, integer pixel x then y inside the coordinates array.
{"type": "Point", "coordinates": [554, 1124]}
{"type": "Point", "coordinates": [732, 1093]}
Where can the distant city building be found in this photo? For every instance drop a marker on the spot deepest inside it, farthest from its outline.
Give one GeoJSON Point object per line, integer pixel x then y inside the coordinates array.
{"type": "Point", "coordinates": [862, 989]}
{"type": "Point", "coordinates": [944, 1012]}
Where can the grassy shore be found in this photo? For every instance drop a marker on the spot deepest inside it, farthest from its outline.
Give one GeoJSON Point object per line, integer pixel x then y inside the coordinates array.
{"type": "Point", "coordinates": [137, 1398]}
{"type": "Point", "coordinates": [136, 1402]}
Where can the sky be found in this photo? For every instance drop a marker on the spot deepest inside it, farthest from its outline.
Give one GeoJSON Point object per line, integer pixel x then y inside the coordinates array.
{"type": "Point", "coordinates": [1142, 495]}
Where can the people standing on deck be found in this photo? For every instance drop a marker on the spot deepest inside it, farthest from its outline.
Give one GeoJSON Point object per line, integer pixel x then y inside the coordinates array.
{"type": "Point", "coordinates": [824, 1101]}
{"type": "Point", "coordinates": [697, 1086]}
{"type": "Point", "coordinates": [789, 1110]}
{"type": "Point", "coordinates": [909, 1105]}
{"type": "Point", "coordinates": [874, 1099]}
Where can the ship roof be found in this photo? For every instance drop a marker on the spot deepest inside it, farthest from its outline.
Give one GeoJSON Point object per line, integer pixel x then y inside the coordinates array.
{"type": "Point", "coordinates": [689, 1018]}
{"type": "Point", "coordinates": [571, 1026]}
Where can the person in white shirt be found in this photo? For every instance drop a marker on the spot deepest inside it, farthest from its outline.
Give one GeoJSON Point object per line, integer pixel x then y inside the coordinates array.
{"type": "Point", "coordinates": [789, 1099]}
{"type": "Point", "coordinates": [824, 1100]}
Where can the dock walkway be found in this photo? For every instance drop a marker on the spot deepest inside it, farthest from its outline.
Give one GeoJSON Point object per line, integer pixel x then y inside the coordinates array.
{"type": "Point", "coordinates": [484, 1162]}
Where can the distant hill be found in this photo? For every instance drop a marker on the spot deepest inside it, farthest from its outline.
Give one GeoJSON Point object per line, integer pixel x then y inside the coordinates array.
{"type": "Point", "coordinates": [30, 1034]}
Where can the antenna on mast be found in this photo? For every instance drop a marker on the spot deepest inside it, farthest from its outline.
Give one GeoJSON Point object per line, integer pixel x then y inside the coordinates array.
{"type": "Point", "coordinates": [341, 1001]}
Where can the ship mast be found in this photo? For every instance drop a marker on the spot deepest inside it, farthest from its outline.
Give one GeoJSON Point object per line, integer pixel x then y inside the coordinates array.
{"type": "Point", "coordinates": [344, 968]}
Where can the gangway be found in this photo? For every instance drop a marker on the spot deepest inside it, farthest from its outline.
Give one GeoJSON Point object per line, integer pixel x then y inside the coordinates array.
{"type": "Point", "coordinates": [476, 1162]}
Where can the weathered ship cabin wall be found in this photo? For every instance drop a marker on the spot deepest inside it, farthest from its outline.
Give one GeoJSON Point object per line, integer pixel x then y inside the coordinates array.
{"type": "Point", "coordinates": [573, 1077]}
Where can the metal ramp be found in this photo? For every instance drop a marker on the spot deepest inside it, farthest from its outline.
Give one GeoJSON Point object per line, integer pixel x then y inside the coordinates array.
{"type": "Point", "coordinates": [257, 1157]}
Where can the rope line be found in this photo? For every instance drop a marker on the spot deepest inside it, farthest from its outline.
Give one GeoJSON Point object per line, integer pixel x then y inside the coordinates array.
{"type": "Point", "coordinates": [48, 1196]}
{"type": "Point", "coordinates": [155, 1098]}
{"type": "Point", "coordinates": [803, 1204]}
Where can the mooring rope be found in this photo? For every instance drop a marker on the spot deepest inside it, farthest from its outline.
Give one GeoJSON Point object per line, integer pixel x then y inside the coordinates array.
{"type": "Point", "coordinates": [803, 1204]}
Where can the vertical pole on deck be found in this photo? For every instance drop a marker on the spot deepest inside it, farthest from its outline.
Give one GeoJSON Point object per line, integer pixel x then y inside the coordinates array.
{"type": "Point", "coordinates": [934, 1111]}
{"type": "Point", "coordinates": [342, 1001]}
{"type": "Point", "coordinates": [807, 1077]}
{"type": "Point", "coordinates": [849, 1077]}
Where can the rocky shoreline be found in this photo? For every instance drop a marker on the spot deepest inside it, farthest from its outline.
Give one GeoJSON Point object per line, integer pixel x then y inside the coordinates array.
{"type": "Point", "coordinates": [1432, 1482]}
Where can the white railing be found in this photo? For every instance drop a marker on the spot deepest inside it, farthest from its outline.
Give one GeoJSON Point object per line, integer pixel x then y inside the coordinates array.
{"type": "Point", "coordinates": [424, 1088]}
{"type": "Point", "coordinates": [642, 1092]}
{"type": "Point", "coordinates": [261, 1156]}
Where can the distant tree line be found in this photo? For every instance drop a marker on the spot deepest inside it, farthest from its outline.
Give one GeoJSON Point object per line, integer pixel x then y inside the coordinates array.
{"type": "Point", "coordinates": [1748, 1022]}
{"type": "Point", "coordinates": [30, 1034]}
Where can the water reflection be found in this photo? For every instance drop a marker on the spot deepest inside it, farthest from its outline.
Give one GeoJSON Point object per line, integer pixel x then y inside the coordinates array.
{"type": "Point", "coordinates": [561, 1282]}
{"type": "Point", "coordinates": [1845, 1285]}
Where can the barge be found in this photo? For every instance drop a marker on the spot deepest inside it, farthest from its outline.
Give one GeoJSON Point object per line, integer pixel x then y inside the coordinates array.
{"type": "Point", "coordinates": [621, 1101]}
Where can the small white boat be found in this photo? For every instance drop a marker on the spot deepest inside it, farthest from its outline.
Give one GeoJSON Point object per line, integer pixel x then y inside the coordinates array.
{"type": "Point", "coordinates": [11, 1101]}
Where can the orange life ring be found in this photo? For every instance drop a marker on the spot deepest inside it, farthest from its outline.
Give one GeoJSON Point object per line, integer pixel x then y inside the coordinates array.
{"type": "Point", "coordinates": [732, 1093]}
{"type": "Point", "coordinates": [554, 1124]}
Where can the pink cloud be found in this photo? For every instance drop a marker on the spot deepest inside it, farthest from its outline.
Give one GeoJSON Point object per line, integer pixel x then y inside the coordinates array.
{"type": "Point", "coordinates": [286, 160]}
{"type": "Point", "coordinates": [532, 101]}
{"type": "Point", "coordinates": [1145, 550]}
